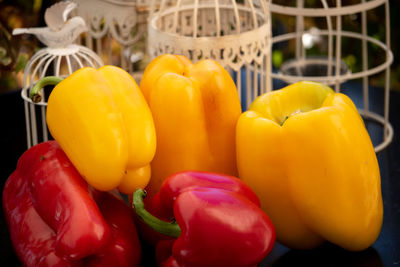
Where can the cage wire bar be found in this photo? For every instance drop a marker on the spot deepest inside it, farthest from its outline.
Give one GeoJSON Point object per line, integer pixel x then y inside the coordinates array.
{"type": "Point", "coordinates": [237, 34]}
{"type": "Point", "coordinates": [115, 28]}
{"type": "Point", "coordinates": [59, 62]}
{"type": "Point", "coordinates": [60, 57]}
{"type": "Point", "coordinates": [337, 72]}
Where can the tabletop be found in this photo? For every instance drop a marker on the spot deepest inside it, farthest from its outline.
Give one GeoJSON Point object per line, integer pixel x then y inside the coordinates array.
{"type": "Point", "coordinates": [384, 252]}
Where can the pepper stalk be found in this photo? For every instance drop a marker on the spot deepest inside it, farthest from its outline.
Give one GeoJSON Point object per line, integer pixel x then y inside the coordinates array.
{"type": "Point", "coordinates": [36, 94]}
{"type": "Point", "coordinates": [166, 228]}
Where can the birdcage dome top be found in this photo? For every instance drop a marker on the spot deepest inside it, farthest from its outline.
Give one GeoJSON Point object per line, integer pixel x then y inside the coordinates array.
{"type": "Point", "coordinates": [210, 18]}
{"type": "Point", "coordinates": [233, 32]}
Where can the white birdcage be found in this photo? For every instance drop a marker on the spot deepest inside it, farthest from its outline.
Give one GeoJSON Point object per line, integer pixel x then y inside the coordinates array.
{"type": "Point", "coordinates": [330, 67]}
{"type": "Point", "coordinates": [61, 58]}
{"type": "Point", "coordinates": [116, 30]}
{"type": "Point", "coordinates": [235, 33]}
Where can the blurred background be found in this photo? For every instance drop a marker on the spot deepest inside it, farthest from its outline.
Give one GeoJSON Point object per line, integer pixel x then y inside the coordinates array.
{"type": "Point", "coordinates": [15, 51]}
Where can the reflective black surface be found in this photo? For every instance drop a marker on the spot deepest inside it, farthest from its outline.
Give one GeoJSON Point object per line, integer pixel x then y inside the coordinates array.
{"type": "Point", "coordinates": [384, 252]}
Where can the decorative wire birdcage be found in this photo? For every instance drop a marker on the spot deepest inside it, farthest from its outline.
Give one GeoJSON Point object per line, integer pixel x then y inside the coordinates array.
{"type": "Point", "coordinates": [235, 33]}
{"type": "Point", "coordinates": [116, 31]}
{"type": "Point", "coordinates": [329, 66]}
{"type": "Point", "coordinates": [60, 59]}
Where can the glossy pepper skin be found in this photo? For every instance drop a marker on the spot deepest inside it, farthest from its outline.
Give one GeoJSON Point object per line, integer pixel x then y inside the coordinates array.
{"type": "Point", "coordinates": [103, 123]}
{"type": "Point", "coordinates": [195, 108]}
{"type": "Point", "coordinates": [218, 221]}
{"type": "Point", "coordinates": [306, 153]}
{"type": "Point", "coordinates": [123, 248]}
{"type": "Point", "coordinates": [34, 243]}
{"type": "Point", "coordinates": [56, 219]}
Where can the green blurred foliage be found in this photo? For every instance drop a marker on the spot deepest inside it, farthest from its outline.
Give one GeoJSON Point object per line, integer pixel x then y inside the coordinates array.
{"type": "Point", "coordinates": [14, 14]}
{"type": "Point", "coordinates": [277, 58]}
{"type": "Point", "coordinates": [15, 51]}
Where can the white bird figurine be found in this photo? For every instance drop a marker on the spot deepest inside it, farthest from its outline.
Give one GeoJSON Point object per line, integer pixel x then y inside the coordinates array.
{"type": "Point", "coordinates": [60, 30]}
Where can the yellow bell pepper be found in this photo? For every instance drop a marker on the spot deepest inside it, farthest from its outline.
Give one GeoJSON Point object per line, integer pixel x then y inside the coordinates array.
{"type": "Point", "coordinates": [306, 153]}
{"type": "Point", "coordinates": [195, 108]}
{"type": "Point", "coordinates": [102, 122]}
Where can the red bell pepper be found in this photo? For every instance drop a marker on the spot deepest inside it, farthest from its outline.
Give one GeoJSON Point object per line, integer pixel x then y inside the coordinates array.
{"type": "Point", "coordinates": [218, 221]}
{"type": "Point", "coordinates": [54, 219]}
{"type": "Point", "coordinates": [32, 238]}
{"type": "Point", "coordinates": [124, 248]}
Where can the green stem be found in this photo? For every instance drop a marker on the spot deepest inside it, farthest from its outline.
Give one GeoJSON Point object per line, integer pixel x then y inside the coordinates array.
{"type": "Point", "coordinates": [36, 94]}
{"type": "Point", "coordinates": [286, 117]}
{"type": "Point", "coordinates": [166, 228]}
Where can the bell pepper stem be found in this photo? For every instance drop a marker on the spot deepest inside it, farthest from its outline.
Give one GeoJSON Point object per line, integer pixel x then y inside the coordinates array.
{"type": "Point", "coordinates": [286, 117]}
{"type": "Point", "coordinates": [36, 94]}
{"type": "Point", "coordinates": [166, 228]}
